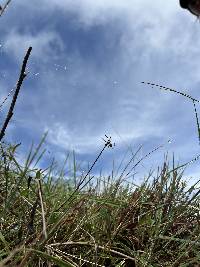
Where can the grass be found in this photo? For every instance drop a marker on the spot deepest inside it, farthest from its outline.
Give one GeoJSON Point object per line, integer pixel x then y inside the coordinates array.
{"type": "Point", "coordinates": [49, 221]}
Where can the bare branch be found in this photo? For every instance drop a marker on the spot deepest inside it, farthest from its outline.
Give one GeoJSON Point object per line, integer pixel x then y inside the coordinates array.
{"type": "Point", "coordinates": [19, 83]}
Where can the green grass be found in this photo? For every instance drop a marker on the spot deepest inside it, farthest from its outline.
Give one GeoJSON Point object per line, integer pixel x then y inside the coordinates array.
{"type": "Point", "coordinates": [48, 220]}
{"type": "Point", "coordinates": [45, 220]}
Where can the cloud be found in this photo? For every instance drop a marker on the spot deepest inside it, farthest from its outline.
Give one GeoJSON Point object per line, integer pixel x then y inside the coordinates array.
{"type": "Point", "coordinates": [46, 45]}
{"type": "Point", "coordinates": [91, 12]}
{"type": "Point", "coordinates": [65, 138]}
{"type": "Point", "coordinates": [109, 47]}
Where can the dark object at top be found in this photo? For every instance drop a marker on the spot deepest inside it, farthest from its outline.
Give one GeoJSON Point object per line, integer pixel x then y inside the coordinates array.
{"type": "Point", "coordinates": [192, 5]}
{"type": "Point", "coordinates": [184, 3]}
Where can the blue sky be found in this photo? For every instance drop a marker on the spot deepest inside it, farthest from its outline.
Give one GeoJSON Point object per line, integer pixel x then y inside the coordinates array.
{"type": "Point", "coordinates": [85, 72]}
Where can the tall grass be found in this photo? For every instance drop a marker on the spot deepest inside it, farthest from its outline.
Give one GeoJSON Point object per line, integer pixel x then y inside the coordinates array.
{"type": "Point", "coordinates": [47, 221]}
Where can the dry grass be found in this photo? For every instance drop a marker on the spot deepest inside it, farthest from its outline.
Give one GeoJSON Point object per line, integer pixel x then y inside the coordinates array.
{"type": "Point", "coordinates": [49, 222]}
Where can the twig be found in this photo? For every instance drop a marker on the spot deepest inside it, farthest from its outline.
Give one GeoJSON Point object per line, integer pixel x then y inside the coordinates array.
{"type": "Point", "coordinates": [183, 94]}
{"type": "Point", "coordinates": [4, 7]}
{"type": "Point", "coordinates": [42, 207]}
{"type": "Point", "coordinates": [172, 90]}
{"type": "Point", "coordinates": [19, 83]}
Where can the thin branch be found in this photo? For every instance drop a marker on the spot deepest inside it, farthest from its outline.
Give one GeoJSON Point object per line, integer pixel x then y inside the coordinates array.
{"type": "Point", "coordinates": [2, 10]}
{"type": "Point", "coordinates": [194, 100]}
{"type": "Point", "coordinates": [172, 90]}
{"type": "Point", "coordinates": [19, 83]}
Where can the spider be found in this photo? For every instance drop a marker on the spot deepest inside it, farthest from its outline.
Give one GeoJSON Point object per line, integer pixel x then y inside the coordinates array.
{"type": "Point", "coordinates": [192, 5]}
{"type": "Point", "coordinates": [108, 142]}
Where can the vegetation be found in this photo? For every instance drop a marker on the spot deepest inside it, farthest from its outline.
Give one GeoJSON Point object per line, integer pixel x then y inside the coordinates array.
{"type": "Point", "coordinates": [49, 219]}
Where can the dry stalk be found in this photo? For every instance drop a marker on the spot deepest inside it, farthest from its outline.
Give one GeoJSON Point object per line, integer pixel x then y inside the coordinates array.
{"type": "Point", "coordinates": [4, 7]}
{"type": "Point", "coordinates": [19, 83]}
{"type": "Point", "coordinates": [42, 207]}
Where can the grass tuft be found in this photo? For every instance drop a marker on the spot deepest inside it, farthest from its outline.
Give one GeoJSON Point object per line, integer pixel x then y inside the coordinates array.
{"type": "Point", "coordinates": [49, 221]}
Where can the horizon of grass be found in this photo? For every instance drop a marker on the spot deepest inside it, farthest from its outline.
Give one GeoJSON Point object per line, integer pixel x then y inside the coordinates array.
{"type": "Point", "coordinates": [48, 221]}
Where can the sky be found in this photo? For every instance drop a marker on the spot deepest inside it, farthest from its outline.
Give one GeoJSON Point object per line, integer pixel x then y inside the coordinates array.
{"type": "Point", "coordinates": [84, 80]}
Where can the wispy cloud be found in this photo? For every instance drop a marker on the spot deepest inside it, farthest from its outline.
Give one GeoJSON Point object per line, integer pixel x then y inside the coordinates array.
{"type": "Point", "coordinates": [46, 44]}
{"type": "Point", "coordinates": [88, 60]}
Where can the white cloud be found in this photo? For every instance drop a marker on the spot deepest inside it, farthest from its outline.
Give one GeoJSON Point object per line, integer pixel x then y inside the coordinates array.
{"type": "Point", "coordinates": [122, 130]}
{"type": "Point", "coordinates": [102, 11]}
{"type": "Point", "coordinates": [45, 45]}
{"type": "Point", "coordinates": [65, 138]}
{"type": "Point", "coordinates": [158, 41]}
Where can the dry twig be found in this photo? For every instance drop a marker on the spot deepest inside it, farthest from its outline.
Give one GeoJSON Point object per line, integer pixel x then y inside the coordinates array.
{"type": "Point", "coordinates": [19, 83]}
{"type": "Point", "coordinates": [42, 207]}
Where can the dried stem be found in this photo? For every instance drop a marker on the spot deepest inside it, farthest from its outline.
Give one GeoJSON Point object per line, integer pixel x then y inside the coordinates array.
{"type": "Point", "coordinates": [19, 83]}
{"type": "Point", "coordinates": [42, 207]}
{"type": "Point", "coordinates": [4, 7]}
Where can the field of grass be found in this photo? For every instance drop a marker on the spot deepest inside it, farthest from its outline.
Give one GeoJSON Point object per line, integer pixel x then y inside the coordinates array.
{"type": "Point", "coordinates": [50, 220]}
{"type": "Point", "coordinates": [45, 220]}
